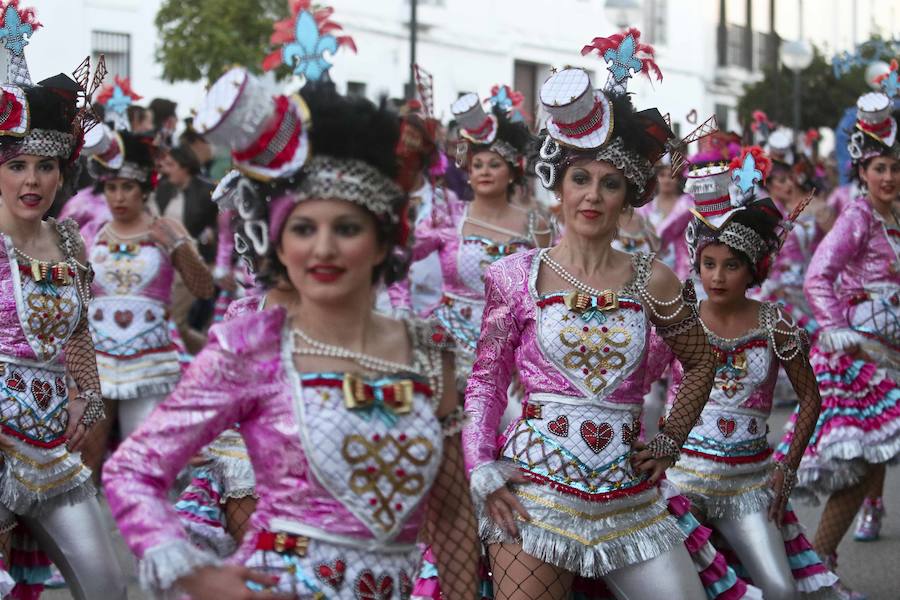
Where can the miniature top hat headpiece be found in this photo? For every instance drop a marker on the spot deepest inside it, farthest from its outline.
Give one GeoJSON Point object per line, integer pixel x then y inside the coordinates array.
{"type": "Point", "coordinates": [475, 125]}
{"type": "Point", "coordinates": [578, 115]}
{"type": "Point", "coordinates": [43, 119]}
{"type": "Point", "coordinates": [119, 154]}
{"type": "Point", "coordinates": [266, 134]}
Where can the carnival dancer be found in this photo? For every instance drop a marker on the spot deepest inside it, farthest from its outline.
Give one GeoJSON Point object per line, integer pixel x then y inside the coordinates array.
{"type": "Point", "coordinates": [853, 287]}
{"type": "Point", "coordinates": [45, 283]}
{"type": "Point", "coordinates": [669, 215]}
{"type": "Point", "coordinates": [567, 490]}
{"type": "Point", "coordinates": [470, 236]}
{"type": "Point", "coordinates": [726, 468]}
{"type": "Point", "coordinates": [88, 207]}
{"type": "Point", "coordinates": [351, 419]}
{"type": "Point", "coordinates": [135, 258]}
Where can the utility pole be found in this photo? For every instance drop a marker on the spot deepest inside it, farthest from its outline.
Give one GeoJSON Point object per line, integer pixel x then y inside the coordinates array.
{"type": "Point", "coordinates": [413, 34]}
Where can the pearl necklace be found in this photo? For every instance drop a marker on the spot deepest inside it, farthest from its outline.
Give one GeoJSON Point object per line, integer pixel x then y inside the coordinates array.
{"type": "Point", "coordinates": [367, 361]}
{"type": "Point", "coordinates": [568, 277]}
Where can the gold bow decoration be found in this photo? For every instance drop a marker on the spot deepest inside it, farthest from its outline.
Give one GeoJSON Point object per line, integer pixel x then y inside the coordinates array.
{"type": "Point", "coordinates": [591, 307]}
{"type": "Point", "coordinates": [387, 398]}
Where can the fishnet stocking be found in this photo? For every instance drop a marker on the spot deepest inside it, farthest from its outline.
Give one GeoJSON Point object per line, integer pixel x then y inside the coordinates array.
{"type": "Point", "coordinates": [194, 272]}
{"type": "Point", "coordinates": [450, 525]}
{"type": "Point", "coordinates": [237, 516]}
{"type": "Point", "coordinates": [519, 576]}
{"type": "Point", "coordinates": [838, 515]}
{"type": "Point", "coordinates": [876, 487]}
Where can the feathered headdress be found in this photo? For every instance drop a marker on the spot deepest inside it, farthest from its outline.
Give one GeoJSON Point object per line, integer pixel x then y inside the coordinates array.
{"type": "Point", "coordinates": [624, 54]}
{"type": "Point", "coordinates": [116, 98]}
{"type": "Point", "coordinates": [304, 38]}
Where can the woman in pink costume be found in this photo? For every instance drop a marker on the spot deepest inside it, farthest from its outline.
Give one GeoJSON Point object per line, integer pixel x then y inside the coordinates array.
{"type": "Point", "coordinates": [470, 236]}
{"type": "Point", "coordinates": [350, 419]}
{"type": "Point", "coordinates": [669, 214]}
{"type": "Point", "coordinates": [135, 258]}
{"type": "Point", "coordinates": [725, 467]}
{"type": "Point", "coordinates": [51, 394]}
{"type": "Point", "coordinates": [853, 286]}
{"type": "Point", "coordinates": [567, 490]}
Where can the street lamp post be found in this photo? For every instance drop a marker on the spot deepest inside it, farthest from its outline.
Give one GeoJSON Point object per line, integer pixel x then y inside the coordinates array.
{"type": "Point", "coordinates": [796, 56]}
{"type": "Point", "coordinates": [413, 40]}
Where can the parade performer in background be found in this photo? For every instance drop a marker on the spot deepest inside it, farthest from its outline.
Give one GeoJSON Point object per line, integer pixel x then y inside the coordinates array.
{"type": "Point", "coordinates": [88, 207]}
{"type": "Point", "coordinates": [567, 490]}
{"type": "Point", "coordinates": [726, 468]}
{"type": "Point", "coordinates": [135, 257]}
{"type": "Point", "coordinates": [669, 215]}
{"type": "Point", "coordinates": [45, 283]}
{"type": "Point", "coordinates": [351, 419]}
{"type": "Point", "coordinates": [470, 236]}
{"type": "Point", "coordinates": [852, 286]}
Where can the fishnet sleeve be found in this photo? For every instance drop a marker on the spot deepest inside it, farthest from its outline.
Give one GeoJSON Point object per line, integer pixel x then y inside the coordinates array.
{"type": "Point", "coordinates": [791, 345]}
{"type": "Point", "coordinates": [450, 525]}
{"type": "Point", "coordinates": [194, 271]}
{"type": "Point", "coordinates": [81, 358]}
{"type": "Point", "coordinates": [678, 325]}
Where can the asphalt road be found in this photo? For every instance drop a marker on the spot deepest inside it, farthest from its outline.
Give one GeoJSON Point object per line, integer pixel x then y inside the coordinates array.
{"type": "Point", "coordinates": [873, 568]}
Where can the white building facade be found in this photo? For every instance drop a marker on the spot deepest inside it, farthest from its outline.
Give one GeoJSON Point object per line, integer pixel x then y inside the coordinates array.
{"type": "Point", "coordinates": [707, 49]}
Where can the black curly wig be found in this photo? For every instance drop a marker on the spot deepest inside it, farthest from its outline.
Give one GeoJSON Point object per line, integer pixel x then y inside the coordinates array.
{"type": "Point", "coordinates": [342, 127]}
{"type": "Point", "coordinates": [643, 133]}
{"type": "Point", "coordinates": [139, 150]}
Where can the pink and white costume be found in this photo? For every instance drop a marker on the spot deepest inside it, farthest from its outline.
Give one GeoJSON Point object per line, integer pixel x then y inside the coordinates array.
{"type": "Point", "coordinates": [584, 377]}
{"type": "Point", "coordinates": [726, 461]}
{"type": "Point", "coordinates": [463, 260]}
{"type": "Point", "coordinates": [670, 229]}
{"type": "Point", "coordinates": [853, 288]}
{"type": "Point", "coordinates": [348, 484]}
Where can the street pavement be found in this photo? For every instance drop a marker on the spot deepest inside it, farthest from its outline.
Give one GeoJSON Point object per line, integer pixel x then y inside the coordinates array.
{"type": "Point", "coordinates": [873, 568]}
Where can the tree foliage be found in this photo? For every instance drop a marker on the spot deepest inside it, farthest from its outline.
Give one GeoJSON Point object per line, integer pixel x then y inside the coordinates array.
{"type": "Point", "coordinates": [823, 96]}
{"type": "Point", "coordinates": [200, 39]}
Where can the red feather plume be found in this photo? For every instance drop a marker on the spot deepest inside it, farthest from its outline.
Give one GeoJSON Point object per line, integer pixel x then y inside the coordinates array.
{"type": "Point", "coordinates": [107, 91]}
{"type": "Point", "coordinates": [284, 31]}
{"type": "Point", "coordinates": [763, 162]}
{"type": "Point", "coordinates": [26, 15]}
{"type": "Point", "coordinates": [642, 52]}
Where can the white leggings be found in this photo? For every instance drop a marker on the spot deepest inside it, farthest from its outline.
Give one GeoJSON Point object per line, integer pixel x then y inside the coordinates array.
{"type": "Point", "coordinates": [134, 412]}
{"type": "Point", "coordinates": [77, 540]}
{"type": "Point", "coordinates": [671, 575]}
{"type": "Point", "coordinates": [759, 545]}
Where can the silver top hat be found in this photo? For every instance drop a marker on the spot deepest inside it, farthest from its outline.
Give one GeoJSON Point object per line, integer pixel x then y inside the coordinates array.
{"type": "Point", "coordinates": [579, 116]}
{"type": "Point", "coordinates": [475, 125]}
{"type": "Point", "coordinates": [238, 112]}
{"type": "Point", "coordinates": [873, 117]}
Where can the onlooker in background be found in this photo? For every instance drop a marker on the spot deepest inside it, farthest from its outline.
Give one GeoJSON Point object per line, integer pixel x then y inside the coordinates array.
{"type": "Point", "coordinates": [140, 119]}
{"type": "Point", "coordinates": [164, 121]}
{"type": "Point", "coordinates": [184, 195]}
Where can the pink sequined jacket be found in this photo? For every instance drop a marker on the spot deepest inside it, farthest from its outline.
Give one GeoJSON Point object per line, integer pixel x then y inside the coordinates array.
{"type": "Point", "coordinates": [860, 254]}
{"type": "Point", "coordinates": [244, 375]}
{"type": "Point", "coordinates": [510, 342]}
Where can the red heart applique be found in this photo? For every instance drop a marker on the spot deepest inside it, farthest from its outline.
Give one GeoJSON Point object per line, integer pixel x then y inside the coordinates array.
{"type": "Point", "coordinates": [42, 392]}
{"type": "Point", "coordinates": [98, 315]}
{"type": "Point", "coordinates": [726, 426]}
{"type": "Point", "coordinates": [559, 426]}
{"type": "Point", "coordinates": [149, 316]}
{"type": "Point", "coordinates": [123, 318]}
{"type": "Point", "coordinates": [631, 433]}
{"type": "Point", "coordinates": [753, 426]}
{"type": "Point", "coordinates": [332, 573]}
{"type": "Point", "coordinates": [597, 437]}
{"type": "Point", "coordinates": [368, 589]}
{"type": "Point", "coordinates": [60, 387]}
{"type": "Point", "coordinates": [16, 382]}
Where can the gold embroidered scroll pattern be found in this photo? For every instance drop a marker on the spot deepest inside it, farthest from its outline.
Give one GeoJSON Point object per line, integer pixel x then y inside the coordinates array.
{"type": "Point", "coordinates": [377, 475]}
{"type": "Point", "coordinates": [594, 352]}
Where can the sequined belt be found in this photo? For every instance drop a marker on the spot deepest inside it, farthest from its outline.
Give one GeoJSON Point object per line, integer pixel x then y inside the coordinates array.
{"type": "Point", "coordinates": [303, 533]}
{"type": "Point", "coordinates": [543, 397]}
{"type": "Point", "coordinates": [282, 543]}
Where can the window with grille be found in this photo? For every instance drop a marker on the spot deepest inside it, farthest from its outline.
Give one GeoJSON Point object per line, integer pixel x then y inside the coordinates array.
{"type": "Point", "coordinates": [657, 21]}
{"type": "Point", "coordinates": [117, 49]}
